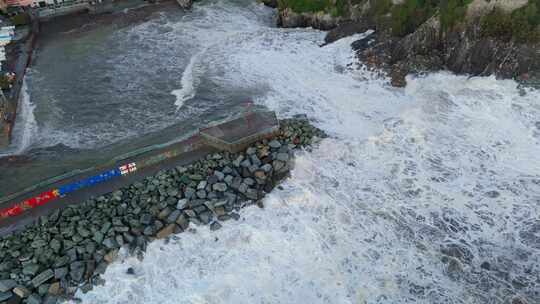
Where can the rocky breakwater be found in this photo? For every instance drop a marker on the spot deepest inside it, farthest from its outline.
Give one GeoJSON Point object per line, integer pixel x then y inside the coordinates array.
{"type": "Point", "coordinates": [70, 248]}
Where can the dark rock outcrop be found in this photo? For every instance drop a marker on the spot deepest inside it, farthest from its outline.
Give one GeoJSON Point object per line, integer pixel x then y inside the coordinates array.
{"type": "Point", "coordinates": [462, 51]}
{"type": "Point", "coordinates": [347, 28]}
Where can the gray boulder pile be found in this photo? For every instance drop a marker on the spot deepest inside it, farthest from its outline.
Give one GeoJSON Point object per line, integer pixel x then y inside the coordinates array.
{"type": "Point", "coordinates": [70, 248]}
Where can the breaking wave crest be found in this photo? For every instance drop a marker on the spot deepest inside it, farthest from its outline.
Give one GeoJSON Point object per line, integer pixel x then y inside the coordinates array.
{"type": "Point", "coordinates": [25, 125]}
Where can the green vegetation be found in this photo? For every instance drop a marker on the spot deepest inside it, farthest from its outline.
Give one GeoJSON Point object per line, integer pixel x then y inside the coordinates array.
{"type": "Point", "coordinates": [521, 25]}
{"type": "Point", "coordinates": [381, 7]}
{"type": "Point", "coordinates": [452, 12]}
{"type": "Point", "coordinates": [408, 16]}
{"type": "Point", "coordinates": [312, 6]}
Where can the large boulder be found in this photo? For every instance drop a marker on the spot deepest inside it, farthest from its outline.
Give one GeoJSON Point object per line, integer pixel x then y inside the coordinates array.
{"type": "Point", "coordinates": [346, 29]}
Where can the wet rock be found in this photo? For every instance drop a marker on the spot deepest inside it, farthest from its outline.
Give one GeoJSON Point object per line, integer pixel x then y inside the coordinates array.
{"type": "Point", "coordinates": [252, 194]}
{"type": "Point", "coordinates": [43, 289]}
{"type": "Point", "coordinates": [111, 256]}
{"type": "Point", "coordinates": [238, 161]}
{"type": "Point", "coordinates": [182, 203]}
{"type": "Point", "coordinates": [278, 165]}
{"type": "Point", "coordinates": [86, 288]}
{"type": "Point", "coordinates": [235, 216]}
{"type": "Point", "coordinates": [220, 210]}
{"type": "Point", "coordinates": [39, 243]}
{"type": "Point", "coordinates": [246, 163]}
{"type": "Point", "coordinates": [205, 217]}
{"type": "Point", "coordinates": [55, 289]}
{"type": "Point", "coordinates": [202, 185]}
{"type": "Point", "coordinates": [267, 168]}
{"type": "Point", "coordinates": [60, 273]}
{"type": "Point", "coordinates": [346, 29]}
{"type": "Point", "coordinates": [6, 285]}
{"type": "Point", "coordinates": [55, 245]}
{"type": "Point", "coordinates": [173, 216]}
{"type": "Point", "coordinates": [50, 299]}
{"type": "Point", "coordinates": [77, 271]}
{"type": "Point", "coordinates": [165, 232]}
{"type": "Point", "coordinates": [397, 76]}
{"type": "Point", "coordinates": [183, 222]}
{"type": "Point", "coordinates": [31, 269]}
{"type": "Point", "coordinates": [146, 219]}
{"type": "Point", "coordinates": [98, 237]}
{"type": "Point", "coordinates": [21, 291]}
{"type": "Point", "coordinates": [61, 261]}
{"type": "Point", "coordinates": [274, 144]}
{"type": "Point", "coordinates": [249, 181]}
{"type": "Point", "coordinates": [164, 213]}
{"type": "Point", "coordinates": [219, 175]}
{"type": "Point", "coordinates": [34, 299]}
{"type": "Point", "coordinates": [220, 187]}
{"type": "Point", "coordinates": [42, 277]}
{"type": "Point", "coordinates": [215, 226]}
{"type": "Point", "coordinates": [110, 243]}
{"type": "Point", "coordinates": [189, 192]}
{"type": "Point", "coordinates": [243, 188]}
{"type": "Point", "coordinates": [130, 271]}
{"type": "Point", "coordinates": [201, 194]}
{"type": "Point", "coordinates": [190, 213]}
{"type": "Point", "coordinates": [5, 295]}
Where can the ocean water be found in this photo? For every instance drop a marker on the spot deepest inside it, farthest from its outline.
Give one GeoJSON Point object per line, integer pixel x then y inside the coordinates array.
{"type": "Point", "coordinates": [428, 194]}
{"type": "Point", "coordinates": [93, 94]}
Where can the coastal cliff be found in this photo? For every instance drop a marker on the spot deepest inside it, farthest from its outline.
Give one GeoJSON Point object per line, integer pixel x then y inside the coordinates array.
{"type": "Point", "coordinates": [474, 37]}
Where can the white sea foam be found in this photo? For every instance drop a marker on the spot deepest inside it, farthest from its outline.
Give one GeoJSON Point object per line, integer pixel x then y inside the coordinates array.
{"type": "Point", "coordinates": [209, 28]}
{"type": "Point", "coordinates": [188, 86]}
{"type": "Point", "coordinates": [25, 125]}
{"type": "Point", "coordinates": [415, 189]}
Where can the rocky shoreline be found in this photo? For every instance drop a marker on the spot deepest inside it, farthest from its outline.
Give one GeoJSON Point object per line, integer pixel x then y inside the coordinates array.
{"type": "Point", "coordinates": [474, 39]}
{"type": "Point", "coordinates": [69, 249]}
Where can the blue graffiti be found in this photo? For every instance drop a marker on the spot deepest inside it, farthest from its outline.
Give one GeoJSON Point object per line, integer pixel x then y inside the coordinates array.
{"type": "Point", "coordinates": [89, 181]}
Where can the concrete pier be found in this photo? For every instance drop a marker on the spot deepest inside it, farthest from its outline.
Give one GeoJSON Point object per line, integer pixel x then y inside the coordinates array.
{"type": "Point", "coordinates": [229, 136]}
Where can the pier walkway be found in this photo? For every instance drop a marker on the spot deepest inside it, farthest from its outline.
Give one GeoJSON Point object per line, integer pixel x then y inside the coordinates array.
{"type": "Point", "coordinates": [17, 210]}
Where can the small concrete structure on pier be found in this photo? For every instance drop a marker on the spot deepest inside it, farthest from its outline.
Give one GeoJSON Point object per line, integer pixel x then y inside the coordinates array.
{"type": "Point", "coordinates": [237, 134]}
{"type": "Point", "coordinates": [22, 207]}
